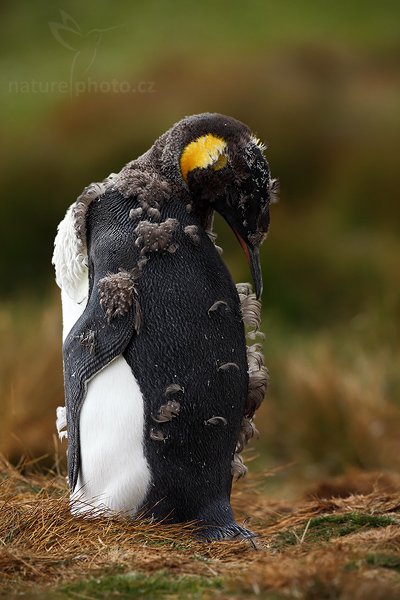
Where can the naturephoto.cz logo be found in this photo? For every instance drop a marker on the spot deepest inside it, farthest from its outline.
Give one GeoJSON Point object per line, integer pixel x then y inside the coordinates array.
{"type": "Point", "coordinates": [83, 48]}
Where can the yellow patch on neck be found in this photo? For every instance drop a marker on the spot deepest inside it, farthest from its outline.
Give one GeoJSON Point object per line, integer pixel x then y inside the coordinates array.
{"type": "Point", "coordinates": [204, 152]}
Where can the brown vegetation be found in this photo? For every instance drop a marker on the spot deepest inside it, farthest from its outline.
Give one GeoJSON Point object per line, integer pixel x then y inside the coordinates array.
{"type": "Point", "coordinates": [316, 547]}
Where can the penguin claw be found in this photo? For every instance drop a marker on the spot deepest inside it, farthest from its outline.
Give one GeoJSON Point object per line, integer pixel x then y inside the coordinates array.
{"type": "Point", "coordinates": [226, 532]}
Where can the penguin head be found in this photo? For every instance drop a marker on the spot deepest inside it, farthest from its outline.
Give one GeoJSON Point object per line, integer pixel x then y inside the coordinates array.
{"type": "Point", "coordinates": [224, 169]}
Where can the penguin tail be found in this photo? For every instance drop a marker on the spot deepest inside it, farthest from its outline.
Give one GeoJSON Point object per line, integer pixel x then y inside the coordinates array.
{"type": "Point", "coordinates": [233, 531]}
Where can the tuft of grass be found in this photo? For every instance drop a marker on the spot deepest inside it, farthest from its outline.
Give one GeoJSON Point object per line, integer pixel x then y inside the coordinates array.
{"type": "Point", "coordinates": [386, 561]}
{"type": "Point", "coordinates": [143, 585]}
{"type": "Point", "coordinates": [326, 527]}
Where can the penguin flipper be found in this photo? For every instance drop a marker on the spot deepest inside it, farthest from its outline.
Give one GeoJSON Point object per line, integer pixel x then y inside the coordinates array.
{"type": "Point", "coordinates": [93, 342]}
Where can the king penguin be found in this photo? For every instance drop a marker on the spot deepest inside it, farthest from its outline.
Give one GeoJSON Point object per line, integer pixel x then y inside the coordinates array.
{"type": "Point", "coordinates": [160, 388]}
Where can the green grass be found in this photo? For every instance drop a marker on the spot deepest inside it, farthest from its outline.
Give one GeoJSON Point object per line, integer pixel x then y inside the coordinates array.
{"type": "Point", "coordinates": [385, 561]}
{"type": "Point", "coordinates": [159, 585]}
{"type": "Point", "coordinates": [142, 585]}
{"type": "Point", "coordinates": [325, 528]}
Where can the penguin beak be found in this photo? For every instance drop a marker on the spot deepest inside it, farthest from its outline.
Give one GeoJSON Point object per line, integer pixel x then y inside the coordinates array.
{"type": "Point", "coordinates": [253, 257]}
{"type": "Point", "coordinates": [255, 269]}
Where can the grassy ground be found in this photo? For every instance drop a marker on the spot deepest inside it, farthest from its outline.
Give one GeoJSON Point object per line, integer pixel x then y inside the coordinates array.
{"type": "Point", "coordinates": [338, 541]}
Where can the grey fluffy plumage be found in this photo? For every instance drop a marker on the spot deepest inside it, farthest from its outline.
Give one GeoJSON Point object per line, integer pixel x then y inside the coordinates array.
{"type": "Point", "coordinates": [156, 237]}
{"type": "Point", "coordinates": [258, 374]}
{"type": "Point", "coordinates": [227, 366]}
{"type": "Point", "coordinates": [219, 304]}
{"type": "Point", "coordinates": [258, 379]}
{"type": "Point", "coordinates": [192, 232]}
{"type": "Point", "coordinates": [90, 193]}
{"type": "Point", "coordinates": [149, 188]}
{"type": "Point", "coordinates": [167, 411]}
{"type": "Point", "coordinates": [216, 421]}
{"type": "Point", "coordinates": [173, 388]}
{"type": "Point", "coordinates": [157, 436]}
{"type": "Point", "coordinates": [238, 468]}
{"type": "Point", "coordinates": [249, 306]}
{"type": "Point", "coordinates": [118, 293]}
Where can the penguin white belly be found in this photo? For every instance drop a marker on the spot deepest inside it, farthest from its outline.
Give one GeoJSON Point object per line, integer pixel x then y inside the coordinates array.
{"type": "Point", "coordinates": [114, 475]}
{"type": "Point", "coordinates": [71, 311]}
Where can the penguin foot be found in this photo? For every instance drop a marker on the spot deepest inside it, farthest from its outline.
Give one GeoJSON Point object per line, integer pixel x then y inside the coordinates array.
{"type": "Point", "coordinates": [225, 532]}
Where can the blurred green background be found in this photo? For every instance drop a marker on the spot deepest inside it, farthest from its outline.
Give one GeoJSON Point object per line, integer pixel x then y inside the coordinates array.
{"type": "Point", "coordinates": [86, 88]}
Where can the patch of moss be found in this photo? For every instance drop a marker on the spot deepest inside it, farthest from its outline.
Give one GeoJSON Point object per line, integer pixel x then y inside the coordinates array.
{"type": "Point", "coordinates": [285, 538]}
{"type": "Point", "coordinates": [324, 528]}
{"type": "Point", "coordinates": [139, 585]}
{"type": "Point", "coordinates": [329, 526]}
{"type": "Point", "coordinates": [386, 561]}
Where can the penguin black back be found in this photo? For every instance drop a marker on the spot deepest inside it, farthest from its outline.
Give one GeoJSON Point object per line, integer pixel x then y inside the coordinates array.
{"type": "Point", "coordinates": [198, 360]}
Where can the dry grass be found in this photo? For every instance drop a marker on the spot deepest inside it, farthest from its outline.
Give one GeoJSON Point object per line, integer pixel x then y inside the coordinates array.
{"type": "Point", "coordinates": [333, 402]}
{"type": "Point", "coordinates": [316, 547]}
{"type": "Point", "coordinates": [31, 384]}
